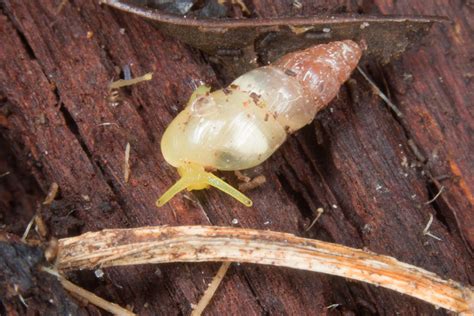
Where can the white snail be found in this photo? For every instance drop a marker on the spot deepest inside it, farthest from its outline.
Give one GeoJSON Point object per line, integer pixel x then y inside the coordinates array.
{"type": "Point", "coordinates": [240, 126]}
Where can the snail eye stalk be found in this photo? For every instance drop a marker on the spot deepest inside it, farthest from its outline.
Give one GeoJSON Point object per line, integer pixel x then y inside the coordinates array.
{"type": "Point", "coordinates": [194, 177]}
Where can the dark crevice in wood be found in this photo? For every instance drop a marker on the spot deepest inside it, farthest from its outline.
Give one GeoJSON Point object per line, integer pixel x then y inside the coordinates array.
{"type": "Point", "coordinates": [74, 129]}
{"type": "Point", "coordinates": [19, 190]}
{"type": "Point", "coordinates": [19, 32]}
{"type": "Point", "coordinates": [254, 292]}
{"type": "Point", "coordinates": [117, 197]}
{"type": "Point", "coordinates": [3, 310]}
{"type": "Point", "coordinates": [142, 112]}
{"type": "Point", "coordinates": [181, 308]}
{"type": "Point", "coordinates": [294, 194]}
{"type": "Point", "coordinates": [322, 164]}
{"type": "Point", "coordinates": [219, 72]}
{"type": "Point", "coordinates": [439, 212]}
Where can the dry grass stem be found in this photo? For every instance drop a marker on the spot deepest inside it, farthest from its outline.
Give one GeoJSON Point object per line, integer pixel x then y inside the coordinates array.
{"type": "Point", "coordinates": [123, 83]}
{"type": "Point", "coordinates": [436, 196]}
{"type": "Point", "coordinates": [28, 228]}
{"type": "Point", "coordinates": [147, 245]}
{"type": "Point", "coordinates": [89, 296]}
{"type": "Point", "coordinates": [211, 290]}
{"type": "Point", "coordinates": [320, 212]}
{"type": "Point", "coordinates": [382, 95]}
{"type": "Point", "coordinates": [61, 7]}
{"type": "Point", "coordinates": [426, 230]}
{"type": "Point", "coordinates": [108, 124]}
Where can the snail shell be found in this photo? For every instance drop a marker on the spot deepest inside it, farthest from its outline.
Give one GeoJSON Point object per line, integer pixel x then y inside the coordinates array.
{"type": "Point", "coordinates": [240, 126]}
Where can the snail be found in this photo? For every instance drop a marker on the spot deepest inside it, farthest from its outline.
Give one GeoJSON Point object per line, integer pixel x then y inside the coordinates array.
{"type": "Point", "coordinates": [240, 126]}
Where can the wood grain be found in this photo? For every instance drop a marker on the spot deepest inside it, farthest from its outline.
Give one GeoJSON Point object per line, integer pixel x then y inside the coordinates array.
{"type": "Point", "coordinates": [354, 160]}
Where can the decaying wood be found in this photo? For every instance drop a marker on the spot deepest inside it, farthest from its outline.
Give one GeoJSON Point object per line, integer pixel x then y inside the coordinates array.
{"type": "Point", "coordinates": [356, 161]}
{"type": "Point", "coordinates": [121, 247]}
{"type": "Point", "coordinates": [24, 288]}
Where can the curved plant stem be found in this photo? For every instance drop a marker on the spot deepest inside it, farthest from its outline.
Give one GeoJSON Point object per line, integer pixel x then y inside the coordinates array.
{"type": "Point", "coordinates": [118, 247]}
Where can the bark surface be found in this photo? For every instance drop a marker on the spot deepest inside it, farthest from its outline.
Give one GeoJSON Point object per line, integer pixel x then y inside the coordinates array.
{"type": "Point", "coordinates": [355, 160]}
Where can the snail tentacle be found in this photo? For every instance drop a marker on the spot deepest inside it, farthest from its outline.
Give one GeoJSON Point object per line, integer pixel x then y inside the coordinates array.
{"type": "Point", "coordinates": [194, 177]}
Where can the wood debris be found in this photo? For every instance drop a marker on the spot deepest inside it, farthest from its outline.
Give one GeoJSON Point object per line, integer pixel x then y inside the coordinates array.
{"type": "Point", "coordinates": [53, 191]}
{"type": "Point", "coordinates": [252, 184]}
{"type": "Point", "coordinates": [126, 164]}
{"type": "Point", "coordinates": [41, 227]}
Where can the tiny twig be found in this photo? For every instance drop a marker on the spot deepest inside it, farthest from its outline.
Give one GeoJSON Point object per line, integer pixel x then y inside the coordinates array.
{"type": "Point", "coordinates": [211, 290]}
{"type": "Point", "coordinates": [427, 232]}
{"type": "Point", "coordinates": [61, 7]}
{"type": "Point", "coordinates": [252, 184]}
{"type": "Point", "coordinates": [107, 124]}
{"type": "Point", "coordinates": [381, 94]}
{"type": "Point", "coordinates": [333, 306]}
{"type": "Point", "coordinates": [242, 177]}
{"type": "Point", "coordinates": [126, 165]}
{"type": "Point", "coordinates": [320, 212]}
{"type": "Point", "coordinates": [6, 173]}
{"type": "Point", "coordinates": [89, 296]}
{"type": "Point", "coordinates": [28, 228]}
{"type": "Point", "coordinates": [416, 151]}
{"type": "Point", "coordinates": [22, 300]}
{"type": "Point", "coordinates": [436, 196]}
{"type": "Point", "coordinates": [123, 83]}
{"type": "Point", "coordinates": [164, 244]}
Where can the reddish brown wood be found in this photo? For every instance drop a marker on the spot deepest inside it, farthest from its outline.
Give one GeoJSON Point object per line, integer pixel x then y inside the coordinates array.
{"type": "Point", "coordinates": [354, 160]}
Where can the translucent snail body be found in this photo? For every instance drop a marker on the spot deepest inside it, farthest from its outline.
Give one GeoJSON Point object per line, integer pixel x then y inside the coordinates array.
{"type": "Point", "coordinates": [240, 126]}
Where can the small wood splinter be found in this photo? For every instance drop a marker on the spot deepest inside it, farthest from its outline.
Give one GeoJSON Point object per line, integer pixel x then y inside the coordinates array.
{"type": "Point", "coordinates": [253, 183]}
{"type": "Point", "coordinates": [53, 192]}
{"type": "Point", "coordinates": [123, 82]}
{"type": "Point", "coordinates": [126, 164]}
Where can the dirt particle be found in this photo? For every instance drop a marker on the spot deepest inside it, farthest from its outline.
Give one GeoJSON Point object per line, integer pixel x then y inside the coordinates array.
{"type": "Point", "coordinates": [255, 97]}
{"type": "Point", "coordinates": [290, 73]}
